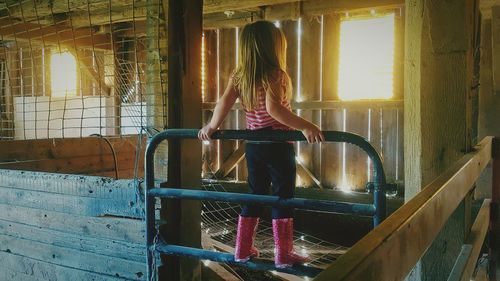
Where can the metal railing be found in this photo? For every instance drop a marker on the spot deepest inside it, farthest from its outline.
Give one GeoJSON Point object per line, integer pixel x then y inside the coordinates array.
{"type": "Point", "coordinates": [377, 210]}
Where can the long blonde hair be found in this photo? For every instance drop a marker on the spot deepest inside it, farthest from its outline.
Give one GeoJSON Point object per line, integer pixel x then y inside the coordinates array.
{"type": "Point", "coordinates": [262, 51]}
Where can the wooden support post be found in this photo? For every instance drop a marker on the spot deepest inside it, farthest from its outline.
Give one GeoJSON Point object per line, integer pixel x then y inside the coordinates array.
{"type": "Point", "coordinates": [495, 44]}
{"type": "Point", "coordinates": [331, 174]}
{"type": "Point", "coordinates": [227, 63]}
{"type": "Point", "coordinates": [437, 42]}
{"type": "Point", "coordinates": [495, 214]}
{"type": "Point", "coordinates": [184, 159]}
{"type": "Point", "coordinates": [154, 98]}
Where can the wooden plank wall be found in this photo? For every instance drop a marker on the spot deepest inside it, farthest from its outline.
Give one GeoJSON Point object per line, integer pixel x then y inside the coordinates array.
{"type": "Point", "coordinates": [68, 227]}
{"type": "Point", "coordinates": [331, 163]}
{"type": "Point", "coordinates": [85, 156]}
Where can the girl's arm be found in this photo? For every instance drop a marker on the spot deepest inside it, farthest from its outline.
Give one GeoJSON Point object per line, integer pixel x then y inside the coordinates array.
{"type": "Point", "coordinates": [221, 110]}
{"type": "Point", "coordinates": [283, 115]}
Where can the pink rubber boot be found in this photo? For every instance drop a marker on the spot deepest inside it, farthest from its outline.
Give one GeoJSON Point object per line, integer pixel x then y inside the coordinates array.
{"type": "Point", "coordinates": [245, 236]}
{"type": "Point", "coordinates": [284, 255]}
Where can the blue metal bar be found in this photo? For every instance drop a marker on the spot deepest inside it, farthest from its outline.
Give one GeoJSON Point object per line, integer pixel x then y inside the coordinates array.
{"type": "Point", "coordinates": [275, 135]}
{"type": "Point", "coordinates": [317, 205]}
{"type": "Point", "coordinates": [299, 270]}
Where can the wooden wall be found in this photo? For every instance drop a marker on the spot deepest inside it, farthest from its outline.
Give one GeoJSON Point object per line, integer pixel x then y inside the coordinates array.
{"type": "Point", "coordinates": [67, 227]}
{"type": "Point", "coordinates": [316, 99]}
{"type": "Point", "coordinates": [56, 226]}
{"type": "Point", "coordinates": [86, 156]}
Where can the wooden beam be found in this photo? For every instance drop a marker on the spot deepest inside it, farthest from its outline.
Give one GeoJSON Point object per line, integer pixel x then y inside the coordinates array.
{"type": "Point", "coordinates": [29, 10]}
{"type": "Point", "coordinates": [22, 150]}
{"type": "Point", "coordinates": [292, 10]}
{"type": "Point", "coordinates": [107, 17]}
{"type": "Point", "coordinates": [328, 105]}
{"type": "Point", "coordinates": [14, 267]}
{"type": "Point", "coordinates": [213, 6]}
{"type": "Point", "coordinates": [307, 175]}
{"type": "Point", "coordinates": [87, 165]}
{"type": "Point", "coordinates": [90, 72]}
{"type": "Point", "coordinates": [429, 210]}
{"type": "Point", "coordinates": [72, 258]}
{"type": "Point", "coordinates": [495, 48]}
{"type": "Point", "coordinates": [76, 241]}
{"type": "Point", "coordinates": [184, 161]}
{"type": "Point", "coordinates": [221, 20]}
{"type": "Point", "coordinates": [231, 162]}
{"type": "Point", "coordinates": [436, 89]}
{"type": "Point", "coordinates": [239, 154]}
{"type": "Point", "coordinates": [214, 10]}
{"type": "Point", "coordinates": [494, 250]}
{"type": "Point", "coordinates": [476, 238]}
{"type": "Point", "coordinates": [45, 8]}
{"type": "Point", "coordinates": [209, 243]}
{"type": "Point", "coordinates": [319, 7]}
{"type": "Point", "coordinates": [112, 228]}
{"type": "Point", "coordinates": [55, 34]}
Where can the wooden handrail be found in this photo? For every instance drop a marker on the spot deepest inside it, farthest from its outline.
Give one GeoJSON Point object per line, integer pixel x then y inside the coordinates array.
{"type": "Point", "coordinates": [405, 236]}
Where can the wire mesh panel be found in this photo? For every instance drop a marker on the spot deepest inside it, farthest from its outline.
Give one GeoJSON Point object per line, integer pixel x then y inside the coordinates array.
{"type": "Point", "coordinates": [80, 67]}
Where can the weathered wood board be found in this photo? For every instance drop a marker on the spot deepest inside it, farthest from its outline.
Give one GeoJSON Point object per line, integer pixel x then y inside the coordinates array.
{"type": "Point", "coordinates": [93, 156]}
{"type": "Point", "coordinates": [69, 227]}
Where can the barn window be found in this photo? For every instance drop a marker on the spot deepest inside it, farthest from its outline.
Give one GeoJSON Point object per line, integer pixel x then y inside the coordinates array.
{"type": "Point", "coordinates": [366, 58]}
{"type": "Point", "coordinates": [63, 74]}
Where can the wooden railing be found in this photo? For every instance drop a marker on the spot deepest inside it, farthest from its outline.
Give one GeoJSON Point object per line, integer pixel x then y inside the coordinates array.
{"type": "Point", "coordinates": [391, 250]}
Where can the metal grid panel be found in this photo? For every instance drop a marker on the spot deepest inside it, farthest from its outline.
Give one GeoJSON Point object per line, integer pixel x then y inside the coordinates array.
{"type": "Point", "coordinates": [117, 91]}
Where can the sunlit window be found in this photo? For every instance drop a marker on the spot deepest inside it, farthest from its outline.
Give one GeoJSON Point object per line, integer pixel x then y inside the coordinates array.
{"type": "Point", "coordinates": [366, 58]}
{"type": "Point", "coordinates": [63, 74]}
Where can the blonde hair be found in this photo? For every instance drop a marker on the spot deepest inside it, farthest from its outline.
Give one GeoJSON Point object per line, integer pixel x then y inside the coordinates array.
{"type": "Point", "coordinates": [262, 51]}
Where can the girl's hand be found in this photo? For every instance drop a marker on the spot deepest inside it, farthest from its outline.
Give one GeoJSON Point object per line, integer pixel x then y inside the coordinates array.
{"type": "Point", "coordinates": [206, 132]}
{"type": "Point", "coordinates": [313, 134]}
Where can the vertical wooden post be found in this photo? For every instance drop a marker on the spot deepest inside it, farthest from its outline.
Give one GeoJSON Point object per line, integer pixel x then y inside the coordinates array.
{"type": "Point", "coordinates": [332, 119]}
{"type": "Point", "coordinates": [494, 235]}
{"type": "Point", "coordinates": [437, 42]}
{"type": "Point", "coordinates": [154, 104]}
{"type": "Point", "coordinates": [495, 33]}
{"type": "Point", "coordinates": [184, 158]}
{"type": "Point", "coordinates": [227, 63]}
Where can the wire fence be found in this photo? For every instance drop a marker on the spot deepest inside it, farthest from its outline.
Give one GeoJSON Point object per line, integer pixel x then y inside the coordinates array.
{"type": "Point", "coordinates": [219, 221]}
{"type": "Point", "coordinates": [76, 68]}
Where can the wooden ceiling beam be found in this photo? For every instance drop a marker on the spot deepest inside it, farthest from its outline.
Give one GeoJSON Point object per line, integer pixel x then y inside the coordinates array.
{"type": "Point", "coordinates": [245, 11]}
{"type": "Point", "coordinates": [294, 10]}
{"type": "Point", "coordinates": [220, 20]}
{"type": "Point", "coordinates": [30, 9]}
{"type": "Point", "coordinates": [214, 6]}
{"type": "Point", "coordinates": [318, 7]}
{"type": "Point", "coordinates": [54, 35]}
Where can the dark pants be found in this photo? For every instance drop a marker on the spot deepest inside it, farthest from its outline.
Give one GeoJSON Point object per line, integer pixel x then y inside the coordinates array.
{"type": "Point", "coordinates": [270, 163]}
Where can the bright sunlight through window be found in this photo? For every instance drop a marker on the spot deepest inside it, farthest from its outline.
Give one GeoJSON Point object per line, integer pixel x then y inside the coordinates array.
{"type": "Point", "coordinates": [63, 74]}
{"type": "Point", "coordinates": [366, 58]}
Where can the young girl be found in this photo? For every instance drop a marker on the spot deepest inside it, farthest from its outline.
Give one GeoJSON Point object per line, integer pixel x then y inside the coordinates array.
{"type": "Point", "coordinates": [264, 88]}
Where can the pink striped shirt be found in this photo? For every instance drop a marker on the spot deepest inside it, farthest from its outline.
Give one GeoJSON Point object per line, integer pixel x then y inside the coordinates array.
{"type": "Point", "coordinates": [258, 117]}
